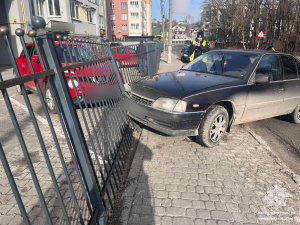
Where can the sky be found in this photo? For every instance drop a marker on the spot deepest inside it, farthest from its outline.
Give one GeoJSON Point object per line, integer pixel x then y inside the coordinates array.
{"type": "Point", "coordinates": [194, 11]}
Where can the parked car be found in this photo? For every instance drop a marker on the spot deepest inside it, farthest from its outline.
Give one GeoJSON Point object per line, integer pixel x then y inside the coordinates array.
{"type": "Point", "coordinates": [219, 89]}
{"type": "Point", "coordinates": [125, 52]}
{"type": "Point", "coordinates": [102, 78]}
{"type": "Point", "coordinates": [185, 57]}
{"type": "Point", "coordinates": [113, 44]}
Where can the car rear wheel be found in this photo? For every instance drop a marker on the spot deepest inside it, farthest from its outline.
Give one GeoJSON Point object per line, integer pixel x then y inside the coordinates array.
{"type": "Point", "coordinates": [294, 117]}
{"type": "Point", "coordinates": [213, 127]}
{"type": "Point", "coordinates": [18, 87]}
{"type": "Point", "coordinates": [49, 99]}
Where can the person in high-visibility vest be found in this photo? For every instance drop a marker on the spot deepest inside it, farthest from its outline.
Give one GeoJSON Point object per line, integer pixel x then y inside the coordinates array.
{"type": "Point", "coordinates": [198, 47]}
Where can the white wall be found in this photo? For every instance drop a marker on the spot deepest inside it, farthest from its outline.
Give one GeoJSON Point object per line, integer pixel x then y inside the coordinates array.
{"type": "Point", "coordinates": [139, 20]}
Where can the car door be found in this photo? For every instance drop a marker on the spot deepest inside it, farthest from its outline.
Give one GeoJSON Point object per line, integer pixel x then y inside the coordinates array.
{"type": "Point", "coordinates": [264, 100]}
{"type": "Point", "coordinates": [25, 66]}
{"type": "Point", "coordinates": [291, 96]}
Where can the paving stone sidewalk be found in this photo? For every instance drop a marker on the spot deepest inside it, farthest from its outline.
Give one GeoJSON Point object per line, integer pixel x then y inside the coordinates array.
{"type": "Point", "coordinates": [174, 180]}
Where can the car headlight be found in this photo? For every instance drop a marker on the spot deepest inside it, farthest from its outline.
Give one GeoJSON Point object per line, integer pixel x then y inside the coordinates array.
{"type": "Point", "coordinates": [70, 84]}
{"type": "Point", "coordinates": [169, 104]}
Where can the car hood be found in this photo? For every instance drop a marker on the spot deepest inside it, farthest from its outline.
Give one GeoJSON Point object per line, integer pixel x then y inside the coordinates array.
{"type": "Point", "coordinates": [178, 84]}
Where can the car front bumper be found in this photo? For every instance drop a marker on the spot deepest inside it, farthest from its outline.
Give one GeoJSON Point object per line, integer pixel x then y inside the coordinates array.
{"type": "Point", "coordinates": [170, 123]}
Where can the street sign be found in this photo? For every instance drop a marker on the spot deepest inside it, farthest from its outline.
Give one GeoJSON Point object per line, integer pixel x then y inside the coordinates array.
{"type": "Point", "coordinates": [261, 35]}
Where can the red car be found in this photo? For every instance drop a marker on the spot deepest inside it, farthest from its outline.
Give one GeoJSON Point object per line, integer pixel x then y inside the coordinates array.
{"type": "Point", "coordinates": [103, 78]}
{"type": "Point", "coordinates": [125, 51]}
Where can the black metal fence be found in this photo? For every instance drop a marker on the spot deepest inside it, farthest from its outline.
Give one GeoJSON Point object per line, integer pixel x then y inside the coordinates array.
{"type": "Point", "coordinates": [135, 61]}
{"type": "Point", "coordinates": [84, 142]}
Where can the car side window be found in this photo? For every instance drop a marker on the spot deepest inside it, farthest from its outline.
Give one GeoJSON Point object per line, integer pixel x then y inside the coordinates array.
{"type": "Point", "coordinates": [131, 51]}
{"type": "Point", "coordinates": [289, 66]}
{"type": "Point", "coordinates": [29, 50]}
{"type": "Point", "coordinates": [270, 65]}
{"type": "Point", "coordinates": [298, 67]}
{"type": "Point", "coordinates": [122, 50]}
{"type": "Point", "coordinates": [113, 51]}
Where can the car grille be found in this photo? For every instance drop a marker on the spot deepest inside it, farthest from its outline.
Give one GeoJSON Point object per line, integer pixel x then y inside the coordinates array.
{"type": "Point", "coordinates": [141, 100]}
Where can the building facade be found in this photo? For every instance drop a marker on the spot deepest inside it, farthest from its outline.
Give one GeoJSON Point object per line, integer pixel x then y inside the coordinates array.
{"type": "Point", "coordinates": [87, 16]}
{"type": "Point", "coordinates": [128, 18]}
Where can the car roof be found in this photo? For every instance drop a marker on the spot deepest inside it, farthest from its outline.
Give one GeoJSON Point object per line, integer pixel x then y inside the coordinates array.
{"type": "Point", "coordinates": [255, 51]}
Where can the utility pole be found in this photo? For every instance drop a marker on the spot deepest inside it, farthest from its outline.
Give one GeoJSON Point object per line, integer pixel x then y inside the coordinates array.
{"type": "Point", "coordinates": [163, 23]}
{"type": "Point", "coordinates": [170, 31]}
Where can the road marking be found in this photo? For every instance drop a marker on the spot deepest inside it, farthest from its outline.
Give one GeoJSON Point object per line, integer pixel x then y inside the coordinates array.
{"type": "Point", "coordinates": [58, 131]}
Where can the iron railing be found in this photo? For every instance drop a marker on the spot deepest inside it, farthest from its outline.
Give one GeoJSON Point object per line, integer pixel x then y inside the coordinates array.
{"type": "Point", "coordinates": [85, 139]}
{"type": "Point", "coordinates": [136, 61]}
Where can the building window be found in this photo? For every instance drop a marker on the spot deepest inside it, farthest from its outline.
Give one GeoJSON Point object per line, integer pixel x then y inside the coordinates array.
{"type": "Point", "coordinates": [135, 26]}
{"type": "Point", "coordinates": [112, 17]}
{"type": "Point", "coordinates": [94, 1]}
{"type": "Point", "coordinates": [112, 5]}
{"type": "Point", "coordinates": [123, 5]}
{"type": "Point", "coordinates": [134, 15]}
{"type": "Point", "coordinates": [40, 7]}
{"type": "Point", "coordinates": [54, 8]}
{"type": "Point", "coordinates": [134, 4]}
{"type": "Point", "coordinates": [90, 15]}
{"type": "Point", "coordinates": [74, 10]}
{"type": "Point", "coordinates": [101, 22]}
{"type": "Point", "coordinates": [124, 27]}
{"type": "Point", "coordinates": [123, 16]}
{"type": "Point", "coordinates": [113, 27]}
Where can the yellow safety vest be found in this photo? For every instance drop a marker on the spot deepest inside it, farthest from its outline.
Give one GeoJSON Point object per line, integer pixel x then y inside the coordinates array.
{"type": "Point", "coordinates": [193, 55]}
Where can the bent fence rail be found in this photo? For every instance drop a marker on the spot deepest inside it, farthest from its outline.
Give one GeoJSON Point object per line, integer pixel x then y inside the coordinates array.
{"type": "Point", "coordinates": [136, 61]}
{"type": "Point", "coordinates": [72, 160]}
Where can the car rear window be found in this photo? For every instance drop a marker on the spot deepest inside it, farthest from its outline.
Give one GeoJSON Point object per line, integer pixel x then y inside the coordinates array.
{"type": "Point", "coordinates": [122, 50]}
{"type": "Point", "coordinates": [79, 50]}
{"type": "Point", "coordinates": [233, 64]}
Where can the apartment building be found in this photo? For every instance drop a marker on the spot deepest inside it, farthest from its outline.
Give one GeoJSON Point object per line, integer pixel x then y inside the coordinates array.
{"type": "Point", "coordinates": [128, 18]}
{"type": "Point", "coordinates": [117, 11]}
{"type": "Point", "coordinates": [84, 17]}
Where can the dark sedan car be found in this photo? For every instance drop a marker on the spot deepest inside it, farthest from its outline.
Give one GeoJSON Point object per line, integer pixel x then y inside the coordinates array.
{"type": "Point", "coordinates": [185, 57]}
{"type": "Point", "coordinates": [219, 89]}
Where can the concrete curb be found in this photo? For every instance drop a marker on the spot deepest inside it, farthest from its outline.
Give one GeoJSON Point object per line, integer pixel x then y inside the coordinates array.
{"type": "Point", "coordinates": [132, 180]}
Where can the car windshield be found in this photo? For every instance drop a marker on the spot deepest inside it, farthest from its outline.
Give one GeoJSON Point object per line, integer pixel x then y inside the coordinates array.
{"type": "Point", "coordinates": [233, 64]}
{"type": "Point", "coordinates": [80, 52]}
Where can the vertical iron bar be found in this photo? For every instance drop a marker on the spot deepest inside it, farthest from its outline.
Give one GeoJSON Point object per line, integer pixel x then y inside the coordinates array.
{"type": "Point", "coordinates": [72, 123]}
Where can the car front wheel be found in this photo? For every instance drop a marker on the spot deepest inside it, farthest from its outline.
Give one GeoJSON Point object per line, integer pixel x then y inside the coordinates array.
{"type": "Point", "coordinates": [18, 87]}
{"type": "Point", "coordinates": [213, 127]}
{"type": "Point", "coordinates": [294, 117]}
{"type": "Point", "coordinates": [49, 99]}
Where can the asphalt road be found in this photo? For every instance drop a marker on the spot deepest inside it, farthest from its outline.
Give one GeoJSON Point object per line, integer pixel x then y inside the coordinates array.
{"type": "Point", "coordinates": [282, 136]}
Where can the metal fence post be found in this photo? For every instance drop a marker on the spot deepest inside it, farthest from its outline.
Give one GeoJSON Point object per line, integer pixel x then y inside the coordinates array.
{"type": "Point", "coordinates": [117, 72]}
{"type": "Point", "coordinates": [48, 50]}
{"type": "Point", "coordinates": [148, 59]}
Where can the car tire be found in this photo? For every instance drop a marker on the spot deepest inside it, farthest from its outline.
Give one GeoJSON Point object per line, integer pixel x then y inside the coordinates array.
{"type": "Point", "coordinates": [216, 117]}
{"type": "Point", "coordinates": [18, 87]}
{"type": "Point", "coordinates": [48, 97]}
{"type": "Point", "coordinates": [294, 117]}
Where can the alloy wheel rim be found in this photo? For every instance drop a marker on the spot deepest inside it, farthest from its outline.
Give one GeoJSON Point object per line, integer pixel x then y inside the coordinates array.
{"type": "Point", "coordinates": [218, 128]}
{"type": "Point", "coordinates": [49, 100]}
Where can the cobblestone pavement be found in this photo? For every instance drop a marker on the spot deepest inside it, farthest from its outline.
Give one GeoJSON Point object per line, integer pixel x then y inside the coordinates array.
{"type": "Point", "coordinates": [174, 180]}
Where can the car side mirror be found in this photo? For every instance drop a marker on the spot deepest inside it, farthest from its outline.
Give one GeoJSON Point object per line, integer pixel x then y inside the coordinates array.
{"type": "Point", "coordinates": [262, 79]}
{"type": "Point", "coordinates": [35, 58]}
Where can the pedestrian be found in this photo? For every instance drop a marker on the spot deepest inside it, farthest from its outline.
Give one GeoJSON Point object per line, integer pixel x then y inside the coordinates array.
{"type": "Point", "coordinates": [271, 48]}
{"type": "Point", "coordinates": [198, 47]}
{"type": "Point", "coordinates": [141, 52]}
